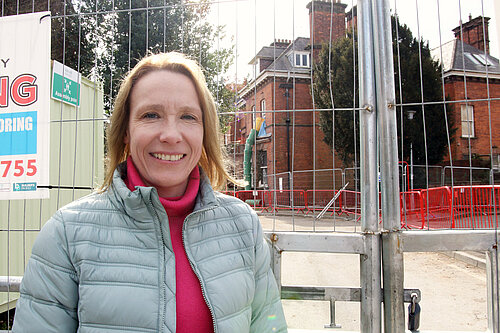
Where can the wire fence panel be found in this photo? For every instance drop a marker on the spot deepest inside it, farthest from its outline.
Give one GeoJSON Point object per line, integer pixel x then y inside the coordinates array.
{"type": "Point", "coordinates": [300, 75]}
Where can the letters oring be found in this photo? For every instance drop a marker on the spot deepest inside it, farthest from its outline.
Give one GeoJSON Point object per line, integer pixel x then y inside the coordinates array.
{"type": "Point", "coordinates": [17, 124]}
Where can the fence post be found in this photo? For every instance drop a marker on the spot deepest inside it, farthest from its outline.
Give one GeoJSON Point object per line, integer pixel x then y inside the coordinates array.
{"type": "Point", "coordinates": [371, 296]}
{"type": "Point", "coordinates": [392, 253]}
{"type": "Point", "coordinates": [492, 285]}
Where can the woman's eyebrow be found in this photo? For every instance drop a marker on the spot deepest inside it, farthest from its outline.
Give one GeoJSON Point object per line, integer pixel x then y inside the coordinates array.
{"type": "Point", "coordinates": [150, 107]}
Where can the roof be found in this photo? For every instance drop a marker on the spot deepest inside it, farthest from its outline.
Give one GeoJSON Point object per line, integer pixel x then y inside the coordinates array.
{"type": "Point", "coordinates": [281, 66]}
{"type": "Point", "coordinates": [268, 52]}
{"type": "Point", "coordinates": [459, 56]}
{"type": "Point", "coordinates": [282, 63]}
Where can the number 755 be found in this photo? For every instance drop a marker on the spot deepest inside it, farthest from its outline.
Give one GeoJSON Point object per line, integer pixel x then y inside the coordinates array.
{"type": "Point", "coordinates": [19, 169]}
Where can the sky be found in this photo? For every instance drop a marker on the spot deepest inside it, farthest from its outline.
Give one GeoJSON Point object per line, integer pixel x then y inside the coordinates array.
{"type": "Point", "coordinates": [252, 24]}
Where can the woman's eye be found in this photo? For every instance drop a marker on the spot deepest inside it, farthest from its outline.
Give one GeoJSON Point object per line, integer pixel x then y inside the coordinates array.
{"type": "Point", "coordinates": [150, 115]}
{"type": "Point", "coordinates": [188, 117]}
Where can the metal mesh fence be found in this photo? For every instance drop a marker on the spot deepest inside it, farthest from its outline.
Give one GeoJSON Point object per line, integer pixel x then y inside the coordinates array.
{"type": "Point", "coordinates": [300, 94]}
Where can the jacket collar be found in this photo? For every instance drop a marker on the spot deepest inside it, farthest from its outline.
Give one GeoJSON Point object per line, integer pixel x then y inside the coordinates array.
{"type": "Point", "coordinates": [135, 203]}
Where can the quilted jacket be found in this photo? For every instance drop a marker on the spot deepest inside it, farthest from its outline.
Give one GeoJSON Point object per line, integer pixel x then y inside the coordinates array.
{"type": "Point", "coordinates": [104, 263]}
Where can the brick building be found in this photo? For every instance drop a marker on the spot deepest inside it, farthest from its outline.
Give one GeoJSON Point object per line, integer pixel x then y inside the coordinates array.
{"type": "Point", "coordinates": [472, 78]}
{"type": "Point", "coordinates": [281, 95]}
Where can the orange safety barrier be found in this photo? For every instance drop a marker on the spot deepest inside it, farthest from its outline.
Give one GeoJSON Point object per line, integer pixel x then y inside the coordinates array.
{"type": "Point", "coordinates": [288, 199]}
{"type": "Point", "coordinates": [476, 206]}
{"type": "Point", "coordinates": [318, 199]}
{"type": "Point", "coordinates": [412, 210]}
{"type": "Point", "coordinates": [256, 199]}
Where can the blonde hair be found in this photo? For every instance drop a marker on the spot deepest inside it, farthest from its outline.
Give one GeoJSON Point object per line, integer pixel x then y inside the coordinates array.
{"type": "Point", "coordinates": [212, 158]}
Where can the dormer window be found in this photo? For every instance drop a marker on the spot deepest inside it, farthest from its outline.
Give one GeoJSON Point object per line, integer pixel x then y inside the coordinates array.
{"type": "Point", "coordinates": [299, 59]}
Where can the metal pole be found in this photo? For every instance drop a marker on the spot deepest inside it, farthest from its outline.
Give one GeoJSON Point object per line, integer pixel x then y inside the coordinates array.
{"type": "Point", "coordinates": [371, 298]}
{"type": "Point", "coordinates": [392, 254]}
{"type": "Point", "coordinates": [492, 286]}
{"type": "Point", "coordinates": [411, 162]}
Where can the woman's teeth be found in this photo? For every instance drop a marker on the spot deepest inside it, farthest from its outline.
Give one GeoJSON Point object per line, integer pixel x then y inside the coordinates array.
{"type": "Point", "coordinates": [166, 157]}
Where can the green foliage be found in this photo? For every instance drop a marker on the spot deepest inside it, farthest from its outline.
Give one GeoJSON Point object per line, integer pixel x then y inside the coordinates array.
{"type": "Point", "coordinates": [344, 83]}
{"type": "Point", "coordinates": [162, 27]}
{"type": "Point", "coordinates": [108, 38]}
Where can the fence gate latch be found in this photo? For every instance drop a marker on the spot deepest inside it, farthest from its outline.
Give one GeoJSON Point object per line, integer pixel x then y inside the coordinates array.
{"type": "Point", "coordinates": [413, 313]}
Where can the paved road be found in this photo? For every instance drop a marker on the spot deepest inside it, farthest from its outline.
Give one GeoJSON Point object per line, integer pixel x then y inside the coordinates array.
{"type": "Point", "coordinates": [453, 292]}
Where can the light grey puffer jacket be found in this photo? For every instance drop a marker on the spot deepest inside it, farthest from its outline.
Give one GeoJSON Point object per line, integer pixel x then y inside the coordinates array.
{"type": "Point", "coordinates": [105, 263]}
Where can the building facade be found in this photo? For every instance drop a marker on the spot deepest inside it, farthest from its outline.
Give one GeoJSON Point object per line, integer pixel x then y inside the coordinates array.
{"type": "Point", "coordinates": [472, 83]}
{"type": "Point", "coordinates": [291, 145]}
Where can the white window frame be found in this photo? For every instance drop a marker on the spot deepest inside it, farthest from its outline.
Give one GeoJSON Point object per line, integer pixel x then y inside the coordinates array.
{"type": "Point", "coordinates": [467, 120]}
{"type": "Point", "coordinates": [293, 56]}
{"type": "Point", "coordinates": [263, 108]}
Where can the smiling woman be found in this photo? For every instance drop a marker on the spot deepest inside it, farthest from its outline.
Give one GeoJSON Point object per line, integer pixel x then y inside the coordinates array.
{"type": "Point", "coordinates": [156, 249]}
{"type": "Point", "coordinates": [165, 132]}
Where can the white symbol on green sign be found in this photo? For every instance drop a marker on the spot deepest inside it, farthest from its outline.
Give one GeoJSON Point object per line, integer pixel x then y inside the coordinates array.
{"type": "Point", "coordinates": [68, 90]}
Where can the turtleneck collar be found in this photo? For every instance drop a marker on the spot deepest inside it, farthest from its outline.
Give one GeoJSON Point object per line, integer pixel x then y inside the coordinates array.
{"type": "Point", "coordinates": [176, 206]}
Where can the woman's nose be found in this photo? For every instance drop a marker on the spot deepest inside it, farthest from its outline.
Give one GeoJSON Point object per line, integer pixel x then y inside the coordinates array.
{"type": "Point", "coordinates": [170, 132]}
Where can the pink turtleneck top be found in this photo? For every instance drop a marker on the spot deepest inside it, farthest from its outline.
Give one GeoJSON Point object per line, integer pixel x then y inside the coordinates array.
{"type": "Point", "coordinates": [193, 314]}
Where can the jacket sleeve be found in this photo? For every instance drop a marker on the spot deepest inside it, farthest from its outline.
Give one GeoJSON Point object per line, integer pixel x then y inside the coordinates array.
{"type": "Point", "coordinates": [49, 289]}
{"type": "Point", "coordinates": [267, 311]}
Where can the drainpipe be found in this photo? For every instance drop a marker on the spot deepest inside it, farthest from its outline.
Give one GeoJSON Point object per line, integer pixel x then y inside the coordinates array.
{"type": "Point", "coordinates": [287, 86]}
{"type": "Point", "coordinates": [247, 160]}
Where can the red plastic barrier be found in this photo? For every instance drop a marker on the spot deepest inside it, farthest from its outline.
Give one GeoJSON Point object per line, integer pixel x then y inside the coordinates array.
{"type": "Point", "coordinates": [258, 199]}
{"type": "Point", "coordinates": [231, 193]}
{"type": "Point", "coordinates": [288, 199]}
{"type": "Point", "coordinates": [318, 199]}
{"type": "Point", "coordinates": [436, 208]}
{"type": "Point", "coordinates": [474, 206]}
{"type": "Point", "coordinates": [351, 202]}
{"type": "Point", "coordinates": [412, 210]}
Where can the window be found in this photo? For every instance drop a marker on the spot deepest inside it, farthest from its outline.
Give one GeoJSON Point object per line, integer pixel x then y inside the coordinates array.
{"type": "Point", "coordinates": [304, 60]}
{"type": "Point", "coordinates": [467, 116]}
{"type": "Point", "coordinates": [301, 59]}
{"type": "Point", "coordinates": [263, 108]}
{"type": "Point", "coordinates": [478, 59]}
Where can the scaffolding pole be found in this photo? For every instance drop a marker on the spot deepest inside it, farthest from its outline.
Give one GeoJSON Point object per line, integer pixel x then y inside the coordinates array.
{"type": "Point", "coordinates": [392, 254]}
{"type": "Point", "coordinates": [370, 260]}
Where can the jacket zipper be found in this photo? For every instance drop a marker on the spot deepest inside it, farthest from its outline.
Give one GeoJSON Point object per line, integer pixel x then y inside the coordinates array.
{"type": "Point", "coordinates": [203, 292]}
{"type": "Point", "coordinates": [163, 250]}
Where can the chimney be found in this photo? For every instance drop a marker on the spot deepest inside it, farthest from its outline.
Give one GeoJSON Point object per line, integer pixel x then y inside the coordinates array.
{"type": "Point", "coordinates": [320, 17]}
{"type": "Point", "coordinates": [280, 43]}
{"type": "Point", "coordinates": [352, 18]}
{"type": "Point", "coordinates": [472, 33]}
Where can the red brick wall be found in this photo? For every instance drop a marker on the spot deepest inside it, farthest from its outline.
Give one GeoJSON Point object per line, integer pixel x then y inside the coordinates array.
{"type": "Point", "coordinates": [321, 20]}
{"type": "Point", "coordinates": [476, 89]}
{"type": "Point", "coordinates": [472, 33]}
{"type": "Point", "coordinates": [302, 145]}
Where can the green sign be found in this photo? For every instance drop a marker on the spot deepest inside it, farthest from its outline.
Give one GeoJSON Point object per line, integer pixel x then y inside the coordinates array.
{"type": "Point", "coordinates": [65, 84]}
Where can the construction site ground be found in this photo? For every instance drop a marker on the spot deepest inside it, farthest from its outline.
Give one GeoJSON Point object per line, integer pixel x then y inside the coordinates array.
{"type": "Point", "coordinates": [452, 285]}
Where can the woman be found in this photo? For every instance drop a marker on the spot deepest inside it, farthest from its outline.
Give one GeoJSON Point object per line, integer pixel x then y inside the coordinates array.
{"type": "Point", "coordinates": [156, 250]}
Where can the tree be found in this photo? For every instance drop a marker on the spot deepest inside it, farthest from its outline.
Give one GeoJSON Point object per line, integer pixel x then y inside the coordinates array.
{"type": "Point", "coordinates": [345, 95]}
{"type": "Point", "coordinates": [104, 39]}
{"type": "Point", "coordinates": [156, 26]}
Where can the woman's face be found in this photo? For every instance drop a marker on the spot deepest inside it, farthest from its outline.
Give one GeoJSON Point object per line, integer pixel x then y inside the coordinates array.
{"type": "Point", "coordinates": [165, 130]}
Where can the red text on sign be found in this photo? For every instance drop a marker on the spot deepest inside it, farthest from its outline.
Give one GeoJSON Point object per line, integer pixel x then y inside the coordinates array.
{"type": "Point", "coordinates": [23, 90]}
{"type": "Point", "coordinates": [21, 167]}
